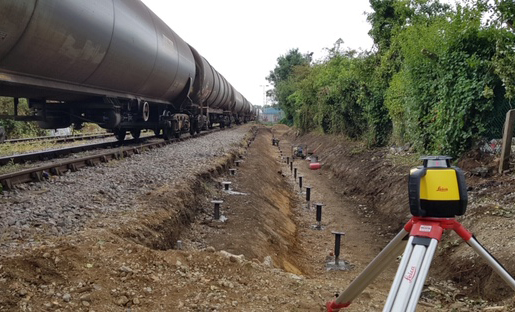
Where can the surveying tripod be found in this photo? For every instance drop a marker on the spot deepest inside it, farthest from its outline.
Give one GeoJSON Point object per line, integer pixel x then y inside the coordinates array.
{"type": "Point", "coordinates": [423, 234]}
{"type": "Point", "coordinates": [437, 193]}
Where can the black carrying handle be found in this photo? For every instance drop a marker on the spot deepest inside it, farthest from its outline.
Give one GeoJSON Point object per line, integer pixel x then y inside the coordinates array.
{"type": "Point", "coordinates": [462, 186]}
{"type": "Point", "coordinates": [414, 191]}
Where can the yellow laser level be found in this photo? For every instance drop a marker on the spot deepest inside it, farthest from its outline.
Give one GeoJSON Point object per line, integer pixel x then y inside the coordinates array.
{"type": "Point", "coordinates": [437, 189]}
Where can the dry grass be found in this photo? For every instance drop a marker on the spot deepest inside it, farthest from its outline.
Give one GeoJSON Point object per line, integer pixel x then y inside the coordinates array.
{"type": "Point", "coordinates": [11, 167]}
{"type": "Point", "coordinates": [8, 149]}
{"type": "Point", "coordinates": [405, 159]}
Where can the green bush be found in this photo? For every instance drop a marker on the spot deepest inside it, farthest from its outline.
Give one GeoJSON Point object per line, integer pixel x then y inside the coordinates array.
{"type": "Point", "coordinates": [18, 129]}
{"type": "Point", "coordinates": [440, 78]}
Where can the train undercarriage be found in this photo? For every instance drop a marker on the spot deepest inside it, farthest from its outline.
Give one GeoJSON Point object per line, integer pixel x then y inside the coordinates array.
{"type": "Point", "coordinates": [127, 116]}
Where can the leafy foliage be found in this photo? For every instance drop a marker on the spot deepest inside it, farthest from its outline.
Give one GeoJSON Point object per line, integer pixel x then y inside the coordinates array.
{"type": "Point", "coordinates": [18, 129]}
{"type": "Point", "coordinates": [439, 78]}
{"type": "Point", "coordinates": [284, 76]}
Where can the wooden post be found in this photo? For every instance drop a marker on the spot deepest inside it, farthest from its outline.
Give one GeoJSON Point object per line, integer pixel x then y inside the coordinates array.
{"type": "Point", "coordinates": [506, 141]}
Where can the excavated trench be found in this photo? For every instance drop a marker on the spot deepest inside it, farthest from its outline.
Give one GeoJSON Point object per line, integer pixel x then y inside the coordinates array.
{"type": "Point", "coordinates": [173, 209]}
{"type": "Point", "coordinates": [259, 214]}
{"type": "Point", "coordinates": [137, 263]}
{"type": "Point", "coordinates": [261, 223]}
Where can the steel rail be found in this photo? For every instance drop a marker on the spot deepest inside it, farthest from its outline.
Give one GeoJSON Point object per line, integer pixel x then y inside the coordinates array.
{"type": "Point", "coordinates": [41, 173]}
{"type": "Point", "coordinates": [62, 139]}
{"type": "Point", "coordinates": [56, 153]}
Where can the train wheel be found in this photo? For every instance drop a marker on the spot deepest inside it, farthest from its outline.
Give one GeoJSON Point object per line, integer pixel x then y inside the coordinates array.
{"type": "Point", "coordinates": [136, 133]}
{"type": "Point", "coordinates": [120, 134]}
{"type": "Point", "coordinates": [145, 111]}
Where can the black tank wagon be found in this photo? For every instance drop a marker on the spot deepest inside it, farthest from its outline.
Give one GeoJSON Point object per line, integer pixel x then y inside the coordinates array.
{"type": "Point", "coordinates": [110, 62]}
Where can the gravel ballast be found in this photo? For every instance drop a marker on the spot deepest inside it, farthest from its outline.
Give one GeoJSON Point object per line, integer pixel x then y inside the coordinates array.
{"type": "Point", "coordinates": [64, 205]}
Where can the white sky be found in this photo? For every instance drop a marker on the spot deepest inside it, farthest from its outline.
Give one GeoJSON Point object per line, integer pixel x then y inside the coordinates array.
{"type": "Point", "coordinates": [243, 39]}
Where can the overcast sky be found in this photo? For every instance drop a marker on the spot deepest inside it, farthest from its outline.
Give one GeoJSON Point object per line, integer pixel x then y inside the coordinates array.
{"type": "Point", "coordinates": [243, 39]}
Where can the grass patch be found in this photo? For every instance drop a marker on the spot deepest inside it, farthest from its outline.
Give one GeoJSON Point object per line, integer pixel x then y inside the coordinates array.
{"type": "Point", "coordinates": [11, 167]}
{"type": "Point", "coordinates": [8, 149]}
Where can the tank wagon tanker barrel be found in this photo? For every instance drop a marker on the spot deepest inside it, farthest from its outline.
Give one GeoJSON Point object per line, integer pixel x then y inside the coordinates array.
{"type": "Point", "coordinates": [113, 63]}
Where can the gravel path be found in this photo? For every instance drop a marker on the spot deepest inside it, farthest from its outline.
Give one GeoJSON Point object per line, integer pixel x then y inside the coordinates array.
{"type": "Point", "coordinates": [63, 205]}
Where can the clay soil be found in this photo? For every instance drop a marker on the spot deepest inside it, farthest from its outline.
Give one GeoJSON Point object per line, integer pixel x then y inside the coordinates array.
{"type": "Point", "coordinates": [266, 255]}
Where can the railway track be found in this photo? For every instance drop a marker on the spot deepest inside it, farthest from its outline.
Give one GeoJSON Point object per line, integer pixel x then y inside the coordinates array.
{"type": "Point", "coordinates": [61, 139]}
{"type": "Point", "coordinates": [41, 173]}
{"type": "Point", "coordinates": [61, 152]}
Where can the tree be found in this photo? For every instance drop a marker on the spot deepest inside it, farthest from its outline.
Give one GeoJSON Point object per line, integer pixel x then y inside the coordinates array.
{"type": "Point", "coordinates": [503, 17]}
{"type": "Point", "coordinates": [389, 17]}
{"type": "Point", "coordinates": [283, 79]}
{"type": "Point", "coordinates": [286, 64]}
{"type": "Point", "coordinates": [384, 19]}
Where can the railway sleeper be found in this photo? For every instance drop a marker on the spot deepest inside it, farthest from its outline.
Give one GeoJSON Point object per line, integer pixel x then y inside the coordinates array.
{"type": "Point", "coordinates": [7, 184]}
{"type": "Point", "coordinates": [37, 176]}
{"type": "Point", "coordinates": [56, 171]}
{"type": "Point", "coordinates": [73, 167]}
{"type": "Point", "coordinates": [117, 155]}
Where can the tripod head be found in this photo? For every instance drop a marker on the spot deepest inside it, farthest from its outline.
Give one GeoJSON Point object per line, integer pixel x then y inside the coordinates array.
{"type": "Point", "coordinates": [437, 189]}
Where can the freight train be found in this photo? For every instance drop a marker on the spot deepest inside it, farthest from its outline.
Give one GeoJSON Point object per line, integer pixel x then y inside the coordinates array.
{"type": "Point", "coordinates": [113, 63]}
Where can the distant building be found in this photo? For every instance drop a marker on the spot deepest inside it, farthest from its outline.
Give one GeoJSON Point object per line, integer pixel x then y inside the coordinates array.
{"type": "Point", "coordinates": [271, 114]}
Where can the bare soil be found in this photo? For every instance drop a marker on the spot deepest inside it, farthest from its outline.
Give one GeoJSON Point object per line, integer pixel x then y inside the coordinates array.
{"type": "Point", "coordinates": [266, 255]}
